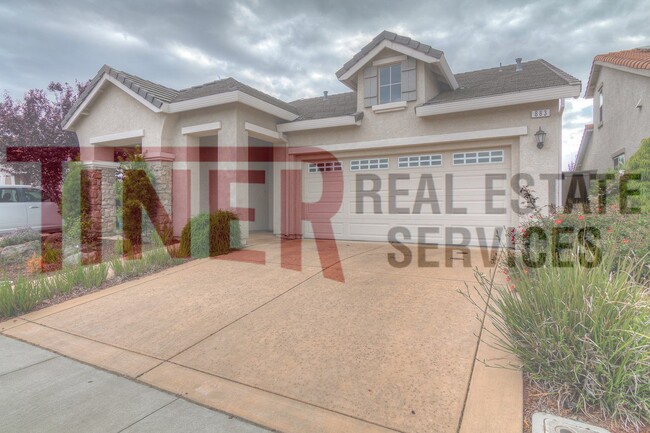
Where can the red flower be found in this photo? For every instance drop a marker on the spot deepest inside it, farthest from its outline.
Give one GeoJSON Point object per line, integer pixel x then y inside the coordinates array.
{"type": "Point", "coordinates": [581, 217]}
{"type": "Point", "coordinates": [626, 241]}
{"type": "Point", "coordinates": [558, 221]}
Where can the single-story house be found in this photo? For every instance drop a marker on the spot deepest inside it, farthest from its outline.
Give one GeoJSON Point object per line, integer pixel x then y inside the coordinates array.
{"type": "Point", "coordinates": [619, 85]}
{"type": "Point", "coordinates": [411, 145]}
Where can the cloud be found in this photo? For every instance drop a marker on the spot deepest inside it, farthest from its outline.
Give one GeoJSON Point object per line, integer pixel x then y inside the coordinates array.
{"type": "Point", "coordinates": [292, 48]}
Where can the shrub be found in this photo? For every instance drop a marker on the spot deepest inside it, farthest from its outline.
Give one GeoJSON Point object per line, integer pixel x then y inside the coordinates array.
{"type": "Point", "coordinates": [19, 237]}
{"type": "Point", "coordinates": [75, 209]}
{"type": "Point", "coordinates": [639, 164]}
{"type": "Point", "coordinates": [582, 334]}
{"type": "Point", "coordinates": [209, 235]}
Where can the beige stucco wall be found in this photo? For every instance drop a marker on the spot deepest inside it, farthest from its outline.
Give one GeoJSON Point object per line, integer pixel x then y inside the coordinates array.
{"type": "Point", "coordinates": [114, 111]}
{"type": "Point", "coordinates": [624, 125]}
{"type": "Point", "coordinates": [526, 157]}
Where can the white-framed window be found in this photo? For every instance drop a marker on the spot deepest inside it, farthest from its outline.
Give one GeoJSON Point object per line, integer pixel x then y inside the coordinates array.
{"type": "Point", "coordinates": [479, 157]}
{"type": "Point", "coordinates": [619, 160]}
{"type": "Point", "coordinates": [419, 161]}
{"type": "Point", "coordinates": [600, 105]}
{"type": "Point", "coordinates": [325, 166]}
{"type": "Point", "coordinates": [390, 83]}
{"type": "Point", "coordinates": [369, 164]}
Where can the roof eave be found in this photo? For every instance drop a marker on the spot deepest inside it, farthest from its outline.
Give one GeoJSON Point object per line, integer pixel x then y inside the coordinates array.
{"type": "Point", "coordinates": [235, 96]}
{"type": "Point", "coordinates": [593, 78]}
{"type": "Point", "coordinates": [495, 101]}
{"type": "Point", "coordinates": [96, 89]}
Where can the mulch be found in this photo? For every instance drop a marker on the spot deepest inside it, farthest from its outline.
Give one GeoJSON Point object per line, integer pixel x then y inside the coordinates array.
{"type": "Point", "coordinates": [536, 400]}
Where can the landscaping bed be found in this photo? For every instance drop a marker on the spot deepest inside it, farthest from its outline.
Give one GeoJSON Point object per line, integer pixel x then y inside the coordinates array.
{"type": "Point", "coordinates": [575, 310]}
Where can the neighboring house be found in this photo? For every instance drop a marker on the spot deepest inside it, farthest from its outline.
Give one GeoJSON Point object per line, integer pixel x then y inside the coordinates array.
{"type": "Point", "coordinates": [619, 84]}
{"type": "Point", "coordinates": [6, 178]}
{"type": "Point", "coordinates": [408, 124]}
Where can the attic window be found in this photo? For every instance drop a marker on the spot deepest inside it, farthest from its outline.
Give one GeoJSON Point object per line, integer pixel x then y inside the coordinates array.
{"type": "Point", "coordinates": [390, 83]}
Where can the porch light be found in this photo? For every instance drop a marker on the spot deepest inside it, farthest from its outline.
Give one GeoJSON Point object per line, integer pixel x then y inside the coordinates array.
{"type": "Point", "coordinates": [540, 136]}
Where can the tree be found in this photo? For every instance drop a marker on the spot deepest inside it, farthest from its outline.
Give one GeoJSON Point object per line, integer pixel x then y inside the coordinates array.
{"type": "Point", "coordinates": [35, 123]}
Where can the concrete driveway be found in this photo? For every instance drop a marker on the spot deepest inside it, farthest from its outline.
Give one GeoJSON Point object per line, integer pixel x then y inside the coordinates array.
{"type": "Point", "coordinates": [389, 349]}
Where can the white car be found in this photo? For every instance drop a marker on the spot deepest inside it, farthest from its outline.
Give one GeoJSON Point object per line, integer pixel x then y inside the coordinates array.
{"type": "Point", "coordinates": [24, 206]}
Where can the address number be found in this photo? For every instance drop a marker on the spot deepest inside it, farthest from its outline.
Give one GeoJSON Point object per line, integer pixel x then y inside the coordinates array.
{"type": "Point", "coordinates": [540, 113]}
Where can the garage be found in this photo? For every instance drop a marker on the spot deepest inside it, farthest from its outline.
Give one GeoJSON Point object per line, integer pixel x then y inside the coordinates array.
{"type": "Point", "coordinates": [455, 197]}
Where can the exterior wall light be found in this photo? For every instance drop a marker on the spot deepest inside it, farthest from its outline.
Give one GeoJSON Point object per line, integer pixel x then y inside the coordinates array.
{"type": "Point", "coordinates": [540, 136]}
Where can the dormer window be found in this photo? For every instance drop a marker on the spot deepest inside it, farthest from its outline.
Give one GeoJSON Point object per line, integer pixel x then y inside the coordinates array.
{"type": "Point", "coordinates": [390, 83]}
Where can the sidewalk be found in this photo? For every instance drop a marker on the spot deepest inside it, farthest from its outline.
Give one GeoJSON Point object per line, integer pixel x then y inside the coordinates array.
{"type": "Point", "coordinates": [41, 391]}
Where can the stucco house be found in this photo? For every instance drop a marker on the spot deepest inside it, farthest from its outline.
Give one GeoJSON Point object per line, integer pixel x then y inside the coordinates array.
{"type": "Point", "coordinates": [412, 145]}
{"type": "Point", "coordinates": [619, 85]}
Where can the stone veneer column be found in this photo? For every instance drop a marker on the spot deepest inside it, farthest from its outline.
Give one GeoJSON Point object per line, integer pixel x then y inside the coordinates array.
{"type": "Point", "coordinates": [160, 164]}
{"type": "Point", "coordinates": [102, 197]}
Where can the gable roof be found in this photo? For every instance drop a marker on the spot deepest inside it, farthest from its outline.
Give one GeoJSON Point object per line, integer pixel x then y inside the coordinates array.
{"type": "Point", "coordinates": [425, 49]}
{"type": "Point", "coordinates": [637, 58]}
{"type": "Point", "coordinates": [157, 96]}
{"type": "Point", "coordinates": [320, 108]}
{"type": "Point", "coordinates": [152, 93]}
{"type": "Point", "coordinates": [401, 44]}
{"type": "Point", "coordinates": [536, 74]}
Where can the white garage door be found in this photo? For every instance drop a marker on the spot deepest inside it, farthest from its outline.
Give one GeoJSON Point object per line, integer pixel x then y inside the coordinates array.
{"type": "Point", "coordinates": [425, 196]}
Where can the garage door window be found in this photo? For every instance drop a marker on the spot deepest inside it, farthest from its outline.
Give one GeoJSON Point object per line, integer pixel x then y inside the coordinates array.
{"type": "Point", "coordinates": [419, 161]}
{"type": "Point", "coordinates": [319, 167]}
{"type": "Point", "coordinates": [369, 164]}
{"type": "Point", "coordinates": [483, 157]}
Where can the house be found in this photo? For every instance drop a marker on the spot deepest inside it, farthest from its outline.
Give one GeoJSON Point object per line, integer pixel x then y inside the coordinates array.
{"type": "Point", "coordinates": [619, 84]}
{"type": "Point", "coordinates": [6, 178]}
{"type": "Point", "coordinates": [413, 151]}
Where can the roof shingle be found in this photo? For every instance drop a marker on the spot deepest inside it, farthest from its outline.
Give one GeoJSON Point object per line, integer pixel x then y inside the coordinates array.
{"type": "Point", "coordinates": [319, 108]}
{"type": "Point", "coordinates": [393, 37]}
{"type": "Point", "coordinates": [157, 94]}
{"type": "Point", "coordinates": [536, 74]}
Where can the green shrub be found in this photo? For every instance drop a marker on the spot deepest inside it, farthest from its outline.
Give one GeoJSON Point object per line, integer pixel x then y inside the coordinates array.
{"type": "Point", "coordinates": [639, 164]}
{"type": "Point", "coordinates": [582, 334]}
{"type": "Point", "coordinates": [75, 205]}
{"type": "Point", "coordinates": [19, 237]}
{"type": "Point", "coordinates": [210, 235]}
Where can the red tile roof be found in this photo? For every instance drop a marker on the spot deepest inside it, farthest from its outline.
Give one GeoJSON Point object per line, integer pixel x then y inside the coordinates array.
{"type": "Point", "coordinates": [638, 58]}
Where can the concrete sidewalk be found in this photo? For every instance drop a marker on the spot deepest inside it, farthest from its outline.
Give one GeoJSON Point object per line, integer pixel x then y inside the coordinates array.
{"type": "Point", "coordinates": [41, 391]}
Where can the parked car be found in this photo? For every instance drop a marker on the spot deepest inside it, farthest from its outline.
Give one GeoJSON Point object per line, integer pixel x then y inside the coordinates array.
{"type": "Point", "coordinates": [24, 206]}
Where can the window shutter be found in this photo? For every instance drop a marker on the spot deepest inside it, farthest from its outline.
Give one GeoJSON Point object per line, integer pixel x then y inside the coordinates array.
{"type": "Point", "coordinates": [408, 79]}
{"type": "Point", "coordinates": [370, 86]}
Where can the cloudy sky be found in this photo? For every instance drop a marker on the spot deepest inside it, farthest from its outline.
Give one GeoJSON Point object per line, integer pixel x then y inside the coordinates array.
{"type": "Point", "coordinates": [292, 48]}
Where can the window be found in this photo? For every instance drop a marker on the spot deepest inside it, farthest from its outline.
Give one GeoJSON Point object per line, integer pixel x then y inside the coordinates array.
{"type": "Point", "coordinates": [619, 160]}
{"type": "Point", "coordinates": [600, 105]}
{"type": "Point", "coordinates": [8, 195]}
{"type": "Point", "coordinates": [482, 157]}
{"type": "Point", "coordinates": [369, 164]}
{"type": "Point", "coordinates": [318, 167]}
{"type": "Point", "coordinates": [390, 83]}
{"type": "Point", "coordinates": [419, 161]}
{"type": "Point", "coordinates": [34, 195]}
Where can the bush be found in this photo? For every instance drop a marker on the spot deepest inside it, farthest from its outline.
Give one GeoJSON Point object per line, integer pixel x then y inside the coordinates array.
{"type": "Point", "coordinates": [19, 237]}
{"type": "Point", "coordinates": [582, 334]}
{"type": "Point", "coordinates": [210, 235]}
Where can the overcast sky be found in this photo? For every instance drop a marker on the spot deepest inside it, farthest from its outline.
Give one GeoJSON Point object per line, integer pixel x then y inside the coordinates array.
{"type": "Point", "coordinates": [292, 48]}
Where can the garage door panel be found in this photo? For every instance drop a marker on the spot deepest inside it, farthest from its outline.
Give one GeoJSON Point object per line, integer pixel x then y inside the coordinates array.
{"type": "Point", "coordinates": [469, 184]}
